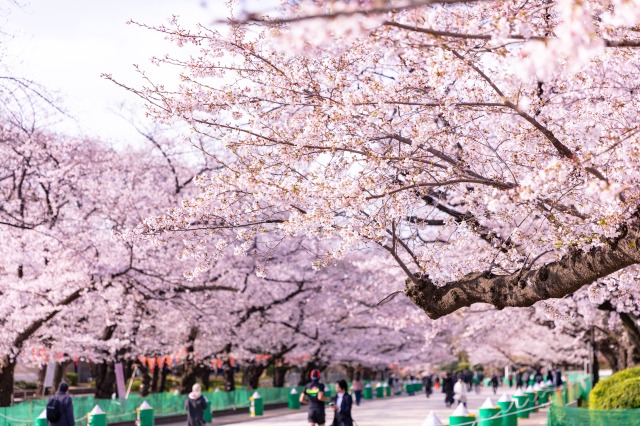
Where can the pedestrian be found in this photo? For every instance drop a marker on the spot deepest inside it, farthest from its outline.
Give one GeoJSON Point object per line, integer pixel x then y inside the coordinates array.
{"type": "Point", "coordinates": [467, 378]}
{"type": "Point", "coordinates": [549, 375]}
{"type": "Point", "coordinates": [494, 383]}
{"type": "Point", "coordinates": [427, 381]}
{"type": "Point", "coordinates": [519, 382]}
{"type": "Point", "coordinates": [557, 381]}
{"type": "Point", "coordinates": [314, 395]}
{"type": "Point", "coordinates": [342, 405]}
{"type": "Point", "coordinates": [539, 377]}
{"type": "Point", "coordinates": [447, 389]}
{"type": "Point", "coordinates": [60, 407]}
{"type": "Point", "coordinates": [195, 406]}
{"type": "Point", "coordinates": [476, 379]}
{"type": "Point", "coordinates": [357, 387]}
{"type": "Point", "coordinates": [460, 391]}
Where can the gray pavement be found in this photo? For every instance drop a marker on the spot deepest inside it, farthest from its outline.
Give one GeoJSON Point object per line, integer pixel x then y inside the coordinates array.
{"type": "Point", "coordinates": [396, 411]}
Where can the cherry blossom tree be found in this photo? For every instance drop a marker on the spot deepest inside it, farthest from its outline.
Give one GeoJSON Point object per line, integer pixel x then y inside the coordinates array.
{"type": "Point", "coordinates": [490, 148]}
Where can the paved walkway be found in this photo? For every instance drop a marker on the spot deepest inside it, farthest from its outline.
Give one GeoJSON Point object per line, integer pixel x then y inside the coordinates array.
{"type": "Point", "coordinates": [397, 411]}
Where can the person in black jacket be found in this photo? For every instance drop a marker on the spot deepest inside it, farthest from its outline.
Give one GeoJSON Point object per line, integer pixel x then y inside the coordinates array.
{"type": "Point", "coordinates": [195, 406]}
{"type": "Point", "coordinates": [342, 403]}
{"type": "Point", "coordinates": [447, 389]}
{"type": "Point", "coordinates": [66, 406]}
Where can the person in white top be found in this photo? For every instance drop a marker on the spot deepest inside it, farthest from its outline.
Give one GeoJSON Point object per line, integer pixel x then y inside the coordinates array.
{"type": "Point", "coordinates": [460, 391]}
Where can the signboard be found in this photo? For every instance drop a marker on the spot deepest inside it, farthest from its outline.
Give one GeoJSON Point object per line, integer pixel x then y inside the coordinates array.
{"type": "Point", "coordinates": [120, 381]}
{"type": "Point", "coordinates": [48, 378]}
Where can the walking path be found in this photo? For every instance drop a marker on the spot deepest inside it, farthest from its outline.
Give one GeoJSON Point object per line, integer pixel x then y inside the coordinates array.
{"type": "Point", "coordinates": [397, 411]}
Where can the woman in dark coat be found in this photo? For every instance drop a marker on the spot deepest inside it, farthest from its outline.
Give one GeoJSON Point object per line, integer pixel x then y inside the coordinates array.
{"type": "Point", "coordinates": [342, 403]}
{"type": "Point", "coordinates": [195, 406]}
{"type": "Point", "coordinates": [447, 389]}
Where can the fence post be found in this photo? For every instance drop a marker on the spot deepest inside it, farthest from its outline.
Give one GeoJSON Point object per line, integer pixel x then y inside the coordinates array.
{"type": "Point", "coordinates": [41, 420]}
{"type": "Point", "coordinates": [379, 390]}
{"type": "Point", "coordinates": [97, 417]}
{"type": "Point", "coordinates": [368, 391]}
{"type": "Point", "coordinates": [257, 405]}
{"type": "Point", "coordinates": [507, 408]}
{"type": "Point", "coordinates": [461, 416]}
{"type": "Point", "coordinates": [145, 414]}
{"type": "Point", "coordinates": [488, 414]}
{"type": "Point", "coordinates": [432, 420]}
{"type": "Point", "coordinates": [294, 399]}
{"type": "Point", "coordinates": [522, 403]}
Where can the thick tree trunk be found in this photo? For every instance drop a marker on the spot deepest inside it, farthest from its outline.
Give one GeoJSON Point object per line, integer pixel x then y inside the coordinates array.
{"type": "Point", "coordinates": [189, 378]}
{"type": "Point", "coordinates": [58, 375]}
{"type": "Point", "coordinates": [154, 379]}
{"type": "Point", "coordinates": [595, 367]}
{"type": "Point", "coordinates": [351, 371]}
{"type": "Point", "coordinates": [229, 376]}
{"type": "Point", "coordinates": [105, 376]}
{"type": "Point", "coordinates": [163, 379]}
{"type": "Point", "coordinates": [42, 372]}
{"type": "Point", "coordinates": [367, 374]}
{"type": "Point", "coordinates": [528, 286]}
{"type": "Point", "coordinates": [205, 376]}
{"type": "Point", "coordinates": [190, 374]}
{"type": "Point", "coordinates": [7, 369]}
{"type": "Point", "coordinates": [145, 386]}
{"type": "Point", "coordinates": [251, 375]}
{"type": "Point", "coordinates": [279, 375]}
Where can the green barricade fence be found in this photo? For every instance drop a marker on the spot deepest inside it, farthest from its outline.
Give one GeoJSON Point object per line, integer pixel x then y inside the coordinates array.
{"type": "Point", "coordinates": [164, 404]}
{"type": "Point", "coordinates": [573, 416]}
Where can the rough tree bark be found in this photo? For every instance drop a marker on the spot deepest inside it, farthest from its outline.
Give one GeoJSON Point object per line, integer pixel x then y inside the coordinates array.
{"type": "Point", "coordinates": [351, 371]}
{"type": "Point", "coordinates": [280, 374]}
{"type": "Point", "coordinates": [154, 379]}
{"type": "Point", "coordinates": [58, 374]}
{"type": "Point", "coordinates": [251, 374]}
{"type": "Point", "coordinates": [163, 379]}
{"type": "Point", "coordinates": [528, 286]}
{"type": "Point", "coordinates": [205, 375]}
{"type": "Point", "coordinates": [42, 372]}
{"type": "Point", "coordinates": [105, 375]}
{"type": "Point", "coordinates": [145, 386]}
{"type": "Point", "coordinates": [8, 364]}
{"type": "Point", "coordinates": [7, 368]}
{"type": "Point", "coordinates": [190, 374]}
{"type": "Point", "coordinates": [229, 377]}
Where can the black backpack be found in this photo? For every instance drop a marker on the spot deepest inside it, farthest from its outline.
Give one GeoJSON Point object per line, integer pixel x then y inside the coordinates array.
{"type": "Point", "coordinates": [54, 410]}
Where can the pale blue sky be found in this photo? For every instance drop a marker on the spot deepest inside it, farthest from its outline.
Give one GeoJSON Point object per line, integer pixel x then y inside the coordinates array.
{"type": "Point", "coordinates": [66, 44]}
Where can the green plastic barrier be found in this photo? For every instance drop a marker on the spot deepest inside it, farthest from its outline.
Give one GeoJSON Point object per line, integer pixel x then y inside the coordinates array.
{"type": "Point", "coordinates": [489, 417]}
{"type": "Point", "coordinates": [368, 391]}
{"type": "Point", "coordinates": [257, 405]}
{"type": "Point", "coordinates": [145, 414]}
{"type": "Point", "coordinates": [164, 404]}
{"type": "Point", "coordinates": [573, 416]}
{"type": "Point", "coordinates": [207, 416]}
{"type": "Point", "coordinates": [41, 420]}
{"type": "Point", "coordinates": [462, 420]}
{"type": "Point", "coordinates": [522, 405]}
{"type": "Point", "coordinates": [294, 400]}
{"type": "Point", "coordinates": [508, 409]}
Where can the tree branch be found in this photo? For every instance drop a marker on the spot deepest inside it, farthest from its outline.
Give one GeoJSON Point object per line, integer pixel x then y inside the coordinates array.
{"type": "Point", "coordinates": [553, 280]}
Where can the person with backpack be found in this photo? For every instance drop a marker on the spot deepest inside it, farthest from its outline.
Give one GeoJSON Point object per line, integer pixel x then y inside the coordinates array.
{"type": "Point", "coordinates": [195, 406]}
{"type": "Point", "coordinates": [60, 408]}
